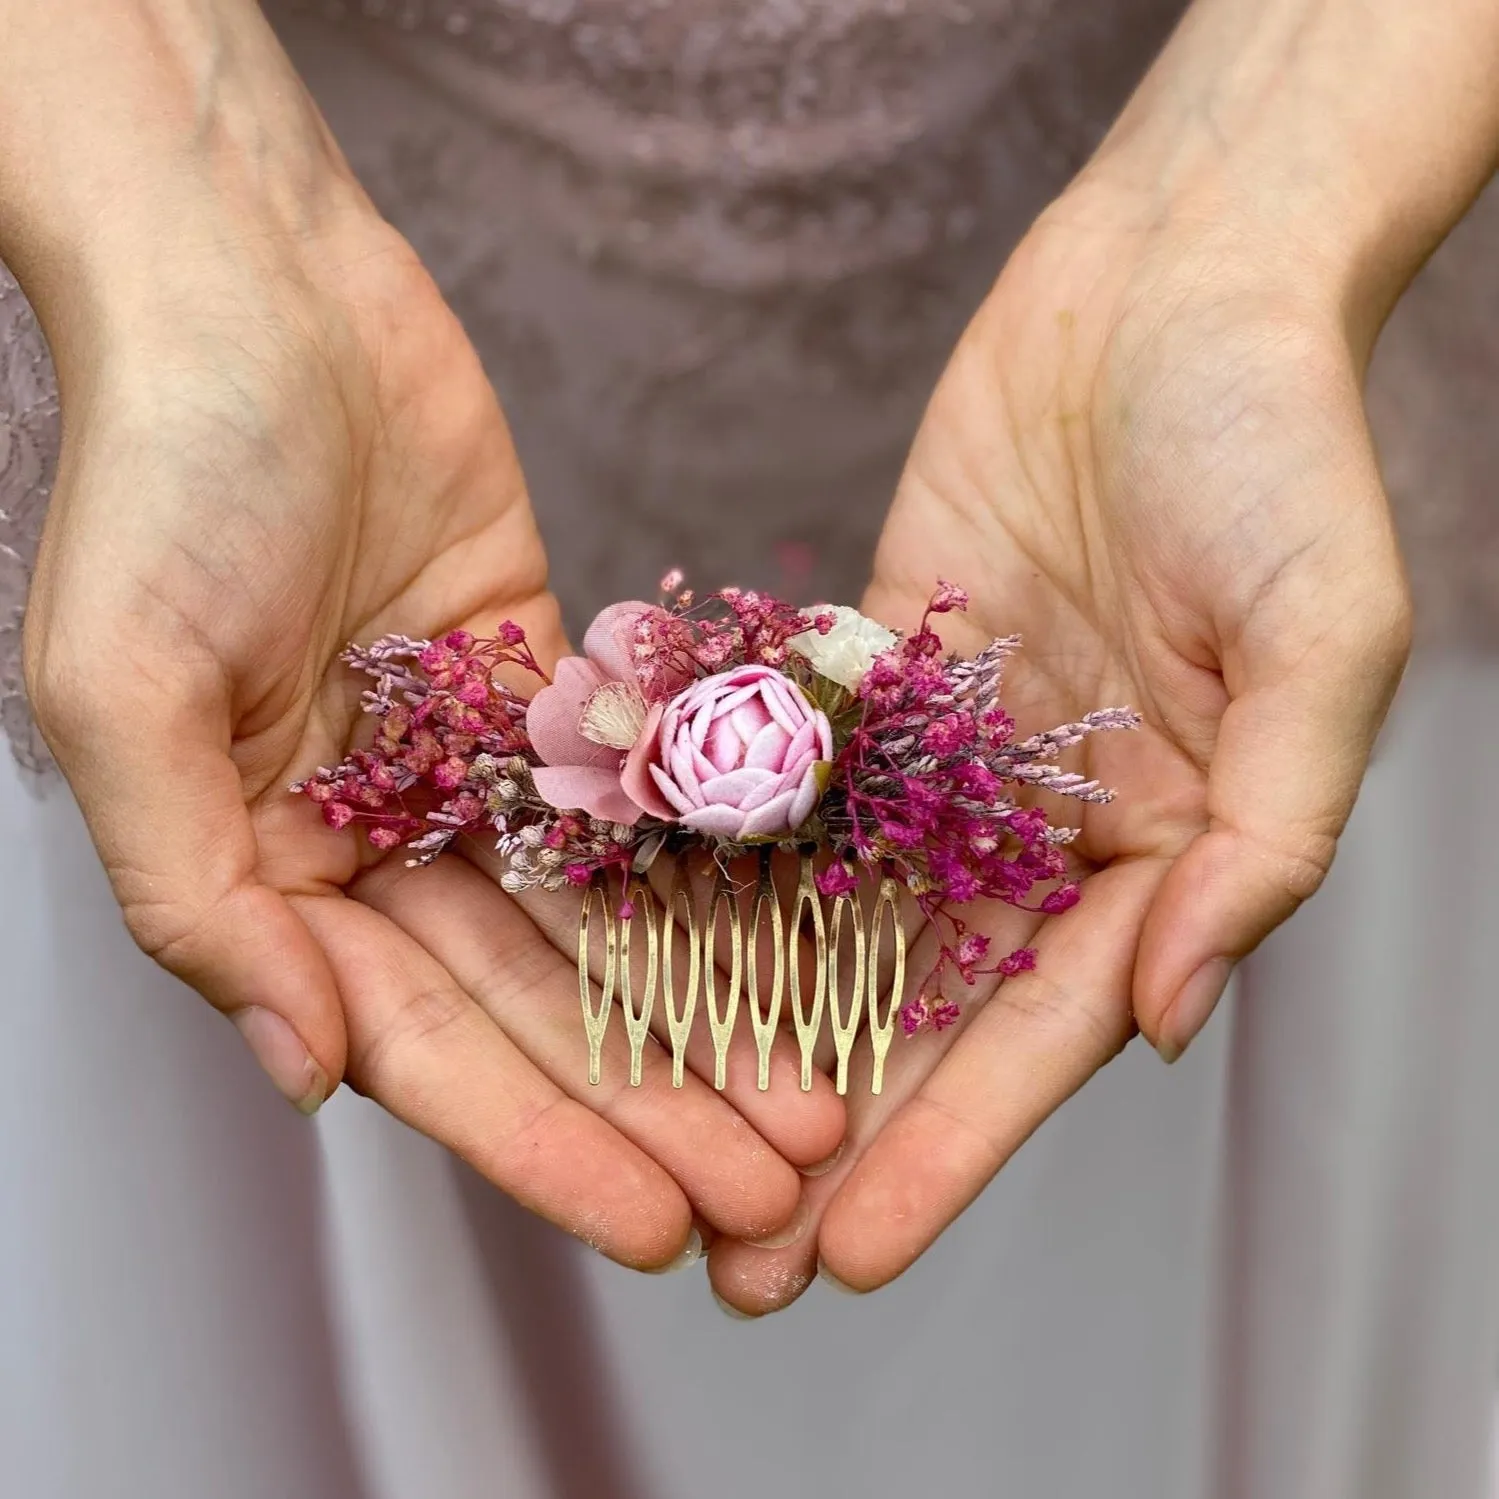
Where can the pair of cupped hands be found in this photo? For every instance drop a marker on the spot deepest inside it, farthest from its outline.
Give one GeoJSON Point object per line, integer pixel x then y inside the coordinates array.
{"type": "Point", "coordinates": [1148, 456]}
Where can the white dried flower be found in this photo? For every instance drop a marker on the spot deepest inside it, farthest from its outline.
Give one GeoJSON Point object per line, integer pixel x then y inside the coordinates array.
{"type": "Point", "coordinates": [512, 882]}
{"type": "Point", "coordinates": [532, 835]}
{"type": "Point", "coordinates": [848, 650]}
{"type": "Point", "coordinates": [614, 715]}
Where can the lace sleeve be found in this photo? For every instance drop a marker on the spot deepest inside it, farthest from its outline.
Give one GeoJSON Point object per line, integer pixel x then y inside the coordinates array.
{"type": "Point", "coordinates": [29, 432]}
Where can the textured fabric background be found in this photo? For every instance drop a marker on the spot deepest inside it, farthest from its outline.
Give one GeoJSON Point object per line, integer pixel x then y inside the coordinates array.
{"type": "Point", "coordinates": [714, 258]}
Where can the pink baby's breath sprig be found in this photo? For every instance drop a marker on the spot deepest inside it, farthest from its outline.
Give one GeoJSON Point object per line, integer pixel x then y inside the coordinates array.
{"type": "Point", "coordinates": [733, 627]}
{"type": "Point", "coordinates": [925, 785]}
{"type": "Point", "coordinates": [450, 750]}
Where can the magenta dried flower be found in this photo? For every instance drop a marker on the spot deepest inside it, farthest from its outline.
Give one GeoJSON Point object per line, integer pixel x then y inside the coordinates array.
{"type": "Point", "coordinates": [947, 598]}
{"type": "Point", "coordinates": [837, 879]}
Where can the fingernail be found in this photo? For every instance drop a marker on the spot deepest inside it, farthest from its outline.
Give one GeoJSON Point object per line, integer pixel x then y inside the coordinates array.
{"type": "Point", "coordinates": [282, 1057]}
{"type": "Point", "coordinates": [733, 1311]}
{"type": "Point", "coordinates": [827, 1277]}
{"type": "Point", "coordinates": [789, 1234]}
{"type": "Point", "coordinates": [689, 1255]}
{"type": "Point", "coordinates": [1193, 1004]}
{"type": "Point", "coordinates": [823, 1167]}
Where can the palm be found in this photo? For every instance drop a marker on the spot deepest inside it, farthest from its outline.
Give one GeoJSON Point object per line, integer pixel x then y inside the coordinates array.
{"type": "Point", "coordinates": [1116, 465]}
{"type": "Point", "coordinates": [351, 482]}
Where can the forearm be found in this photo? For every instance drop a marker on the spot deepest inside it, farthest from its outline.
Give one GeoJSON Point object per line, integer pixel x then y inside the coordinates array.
{"type": "Point", "coordinates": [1362, 129]}
{"type": "Point", "coordinates": [129, 127]}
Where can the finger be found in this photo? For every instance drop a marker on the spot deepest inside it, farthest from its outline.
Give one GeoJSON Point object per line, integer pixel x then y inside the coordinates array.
{"type": "Point", "coordinates": [1290, 755]}
{"type": "Point", "coordinates": [754, 1279]}
{"type": "Point", "coordinates": [164, 803]}
{"type": "Point", "coordinates": [1025, 1052]}
{"type": "Point", "coordinates": [423, 1049]}
{"type": "Point", "coordinates": [803, 1127]}
{"type": "Point", "coordinates": [494, 952]}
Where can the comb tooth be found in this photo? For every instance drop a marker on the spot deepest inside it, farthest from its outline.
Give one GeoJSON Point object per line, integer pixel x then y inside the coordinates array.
{"type": "Point", "coordinates": [638, 1023]}
{"type": "Point", "coordinates": [846, 1027]}
{"type": "Point", "coordinates": [887, 902]}
{"type": "Point", "coordinates": [807, 1025]}
{"type": "Point", "coordinates": [744, 971]}
{"type": "Point", "coordinates": [721, 1022]}
{"type": "Point", "coordinates": [679, 1022]}
{"type": "Point", "coordinates": [765, 1026]}
{"type": "Point", "coordinates": [596, 1020]}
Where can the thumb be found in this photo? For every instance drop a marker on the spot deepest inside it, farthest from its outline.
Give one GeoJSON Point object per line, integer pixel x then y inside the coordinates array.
{"type": "Point", "coordinates": [147, 754]}
{"type": "Point", "coordinates": [1311, 684]}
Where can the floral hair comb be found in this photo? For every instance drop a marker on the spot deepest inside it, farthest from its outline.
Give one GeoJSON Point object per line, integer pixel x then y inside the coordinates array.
{"type": "Point", "coordinates": [712, 730]}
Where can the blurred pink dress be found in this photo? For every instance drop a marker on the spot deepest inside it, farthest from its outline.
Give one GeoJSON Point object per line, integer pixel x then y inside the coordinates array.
{"type": "Point", "coordinates": [714, 255]}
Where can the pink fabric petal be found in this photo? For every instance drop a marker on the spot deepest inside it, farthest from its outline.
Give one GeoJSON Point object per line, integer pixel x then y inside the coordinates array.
{"type": "Point", "coordinates": [689, 764]}
{"type": "Point", "coordinates": [670, 791]}
{"type": "Point", "coordinates": [729, 681]}
{"type": "Point", "coordinates": [553, 714]}
{"type": "Point", "coordinates": [671, 731]}
{"type": "Point", "coordinates": [773, 817]}
{"type": "Point", "coordinates": [803, 743]}
{"type": "Point", "coordinates": [785, 704]}
{"type": "Point", "coordinates": [720, 822]}
{"type": "Point", "coordinates": [733, 697]}
{"type": "Point", "coordinates": [587, 789]}
{"type": "Point", "coordinates": [723, 746]}
{"type": "Point", "coordinates": [698, 721]}
{"type": "Point", "coordinates": [768, 749]}
{"type": "Point", "coordinates": [730, 789]}
{"type": "Point", "coordinates": [677, 760]}
{"type": "Point", "coordinates": [638, 776]}
{"type": "Point", "coordinates": [806, 798]}
{"type": "Point", "coordinates": [610, 640]}
{"type": "Point", "coordinates": [774, 786]}
{"type": "Point", "coordinates": [703, 768]}
{"type": "Point", "coordinates": [824, 735]}
{"type": "Point", "coordinates": [751, 717]}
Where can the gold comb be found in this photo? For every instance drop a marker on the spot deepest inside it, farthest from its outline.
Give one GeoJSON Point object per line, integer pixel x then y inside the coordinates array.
{"type": "Point", "coordinates": [681, 965]}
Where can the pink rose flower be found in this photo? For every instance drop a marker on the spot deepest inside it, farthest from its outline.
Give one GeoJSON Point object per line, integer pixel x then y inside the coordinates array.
{"type": "Point", "coordinates": [594, 712]}
{"type": "Point", "coordinates": [734, 755]}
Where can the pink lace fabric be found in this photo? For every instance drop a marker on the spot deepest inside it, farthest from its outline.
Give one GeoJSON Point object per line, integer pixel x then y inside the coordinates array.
{"type": "Point", "coordinates": [714, 255]}
{"type": "Point", "coordinates": [29, 432]}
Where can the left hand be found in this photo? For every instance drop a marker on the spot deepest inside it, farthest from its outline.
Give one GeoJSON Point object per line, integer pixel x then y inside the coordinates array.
{"type": "Point", "coordinates": [1148, 456]}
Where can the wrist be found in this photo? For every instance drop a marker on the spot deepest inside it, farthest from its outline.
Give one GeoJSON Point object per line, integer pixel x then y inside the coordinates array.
{"type": "Point", "coordinates": [1332, 144]}
{"type": "Point", "coordinates": [197, 136]}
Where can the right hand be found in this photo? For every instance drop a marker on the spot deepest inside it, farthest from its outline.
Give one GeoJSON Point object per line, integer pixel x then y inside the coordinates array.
{"type": "Point", "coordinates": [278, 439]}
